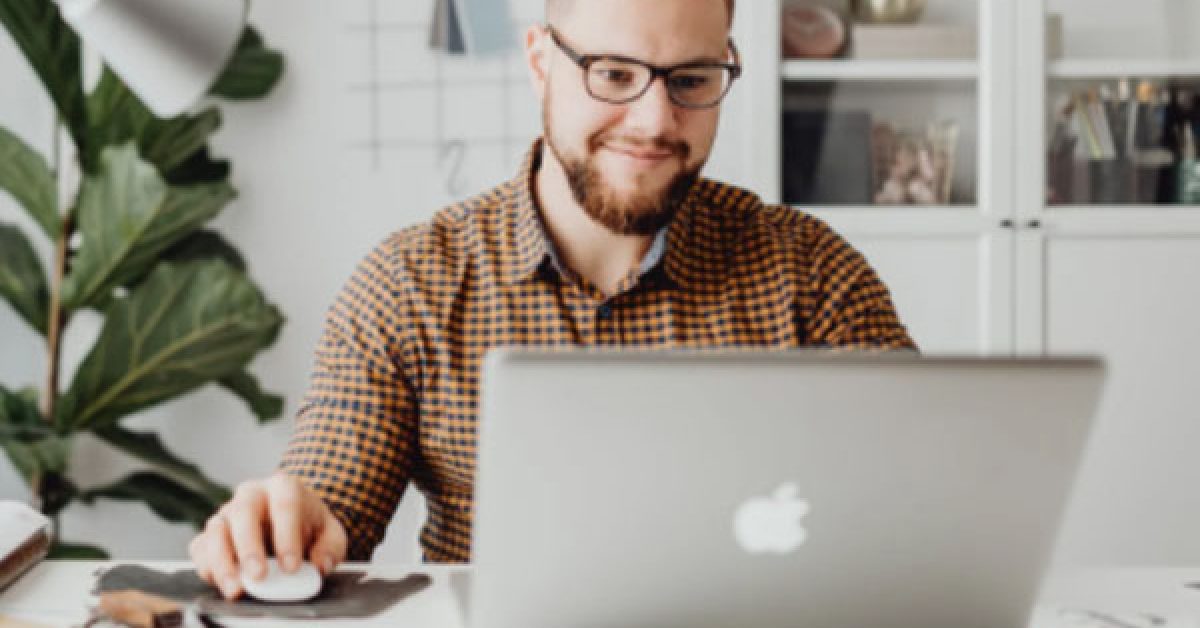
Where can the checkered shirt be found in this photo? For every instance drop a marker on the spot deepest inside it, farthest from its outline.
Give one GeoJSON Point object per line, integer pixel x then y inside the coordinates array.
{"type": "Point", "coordinates": [394, 397]}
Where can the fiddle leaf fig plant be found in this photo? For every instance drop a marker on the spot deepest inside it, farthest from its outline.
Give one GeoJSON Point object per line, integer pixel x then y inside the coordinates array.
{"type": "Point", "coordinates": [180, 310]}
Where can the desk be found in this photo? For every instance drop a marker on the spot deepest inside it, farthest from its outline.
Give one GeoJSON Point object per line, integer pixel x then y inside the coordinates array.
{"type": "Point", "coordinates": [55, 593]}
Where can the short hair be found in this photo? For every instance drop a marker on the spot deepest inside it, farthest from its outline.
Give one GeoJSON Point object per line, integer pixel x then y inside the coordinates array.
{"type": "Point", "coordinates": [556, 9]}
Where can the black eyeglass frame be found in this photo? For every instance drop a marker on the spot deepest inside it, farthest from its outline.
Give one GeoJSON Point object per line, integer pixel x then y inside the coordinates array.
{"type": "Point", "coordinates": [585, 61]}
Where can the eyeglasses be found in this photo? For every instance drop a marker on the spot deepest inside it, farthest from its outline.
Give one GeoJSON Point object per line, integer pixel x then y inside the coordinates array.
{"type": "Point", "coordinates": [619, 80]}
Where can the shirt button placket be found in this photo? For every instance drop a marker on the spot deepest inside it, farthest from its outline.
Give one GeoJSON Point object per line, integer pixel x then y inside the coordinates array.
{"type": "Point", "coordinates": [604, 323]}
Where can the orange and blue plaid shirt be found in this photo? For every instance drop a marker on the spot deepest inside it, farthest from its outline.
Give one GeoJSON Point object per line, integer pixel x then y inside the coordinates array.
{"type": "Point", "coordinates": [394, 398]}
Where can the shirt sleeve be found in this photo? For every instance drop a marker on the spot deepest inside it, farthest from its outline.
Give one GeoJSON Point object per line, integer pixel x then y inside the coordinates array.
{"type": "Point", "coordinates": [355, 430]}
{"type": "Point", "coordinates": [853, 308]}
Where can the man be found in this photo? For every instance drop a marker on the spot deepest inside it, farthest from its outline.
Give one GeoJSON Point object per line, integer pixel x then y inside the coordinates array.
{"type": "Point", "coordinates": [607, 237]}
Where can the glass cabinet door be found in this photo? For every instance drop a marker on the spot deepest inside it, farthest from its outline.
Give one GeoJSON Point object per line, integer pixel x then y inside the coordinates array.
{"type": "Point", "coordinates": [880, 103]}
{"type": "Point", "coordinates": [1108, 256]}
{"type": "Point", "coordinates": [1122, 102]}
{"type": "Point", "coordinates": [898, 136]}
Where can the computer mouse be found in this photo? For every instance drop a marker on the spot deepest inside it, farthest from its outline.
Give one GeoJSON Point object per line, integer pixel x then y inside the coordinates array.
{"type": "Point", "coordinates": [302, 585]}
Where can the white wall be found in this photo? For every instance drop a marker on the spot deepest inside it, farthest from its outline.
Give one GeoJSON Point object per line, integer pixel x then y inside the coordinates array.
{"type": "Point", "coordinates": [311, 205]}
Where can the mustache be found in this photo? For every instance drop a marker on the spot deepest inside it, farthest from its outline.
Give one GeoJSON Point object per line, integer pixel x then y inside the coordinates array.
{"type": "Point", "coordinates": [679, 148]}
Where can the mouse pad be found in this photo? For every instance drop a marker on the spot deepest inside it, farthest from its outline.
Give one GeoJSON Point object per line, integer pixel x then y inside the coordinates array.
{"type": "Point", "coordinates": [346, 594]}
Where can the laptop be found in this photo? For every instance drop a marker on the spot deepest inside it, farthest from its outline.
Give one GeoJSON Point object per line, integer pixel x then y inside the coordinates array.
{"type": "Point", "coordinates": [754, 489]}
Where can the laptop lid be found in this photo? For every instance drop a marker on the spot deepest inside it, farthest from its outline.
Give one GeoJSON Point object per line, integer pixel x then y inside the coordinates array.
{"type": "Point", "coordinates": [771, 489]}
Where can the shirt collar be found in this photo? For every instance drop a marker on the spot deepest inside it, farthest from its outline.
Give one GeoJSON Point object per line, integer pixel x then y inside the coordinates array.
{"type": "Point", "coordinates": [529, 247]}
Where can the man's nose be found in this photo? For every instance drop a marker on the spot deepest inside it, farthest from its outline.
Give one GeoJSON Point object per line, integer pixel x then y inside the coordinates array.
{"type": "Point", "coordinates": [654, 114]}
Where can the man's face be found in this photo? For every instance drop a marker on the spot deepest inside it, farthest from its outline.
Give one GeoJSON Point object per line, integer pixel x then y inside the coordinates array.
{"type": "Point", "coordinates": [629, 165]}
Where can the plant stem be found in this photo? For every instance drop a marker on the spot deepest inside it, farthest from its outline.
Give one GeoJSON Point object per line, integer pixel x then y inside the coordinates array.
{"type": "Point", "coordinates": [58, 318]}
{"type": "Point", "coordinates": [58, 322]}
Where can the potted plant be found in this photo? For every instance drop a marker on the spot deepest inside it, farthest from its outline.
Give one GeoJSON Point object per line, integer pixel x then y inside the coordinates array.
{"type": "Point", "coordinates": [180, 311]}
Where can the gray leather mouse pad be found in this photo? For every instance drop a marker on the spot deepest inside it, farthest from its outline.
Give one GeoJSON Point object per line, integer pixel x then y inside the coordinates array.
{"type": "Point", "coordinates": [346, 594]}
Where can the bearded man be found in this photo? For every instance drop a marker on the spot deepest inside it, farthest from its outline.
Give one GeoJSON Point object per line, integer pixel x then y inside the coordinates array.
{"type": "Point", "coordinates": [607, 237]}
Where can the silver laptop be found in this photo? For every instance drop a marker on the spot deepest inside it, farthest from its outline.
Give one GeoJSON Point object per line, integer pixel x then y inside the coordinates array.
{"type": "Point", "coordinates": [765, 490]}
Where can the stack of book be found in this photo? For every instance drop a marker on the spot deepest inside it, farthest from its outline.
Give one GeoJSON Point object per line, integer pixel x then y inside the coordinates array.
{"type": "Point", "coordinates": [25, 538]}
{"type": "Point", "coordinates": [935, 41]}
{"type": "Point", "coordinates": [914, 41]}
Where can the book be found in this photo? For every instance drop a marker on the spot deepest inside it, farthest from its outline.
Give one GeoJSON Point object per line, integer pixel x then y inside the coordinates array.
{"type": "Point", "coordinates": [827, 158]}
{"type": "Point", "coordinates": [25, 537]}
{"type": "Point", "coordinates": [935, 41]}
{"type": "Point", "coordinates": [914, 41]}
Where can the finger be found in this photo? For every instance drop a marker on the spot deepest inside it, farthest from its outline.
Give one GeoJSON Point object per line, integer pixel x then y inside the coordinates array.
{"type": "Point", "coordinates": [246, 515]}
{"type": "Point", "coordinates": [331, 543]}
{"type": "Point", "coordinates": [287, 526]}
{"type": "Point", "coordinates": [197, 551]}
{"type": "Point", "coordinates": [221, 562]}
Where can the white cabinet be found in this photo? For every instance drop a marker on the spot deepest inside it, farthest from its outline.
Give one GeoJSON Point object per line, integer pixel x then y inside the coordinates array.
{"type": "Point", "coordinates": [1118, 274]}
{"type": "Point", "coordinates": [1013, 264]}
{"type": "Point", "coordinates": [949, 265]}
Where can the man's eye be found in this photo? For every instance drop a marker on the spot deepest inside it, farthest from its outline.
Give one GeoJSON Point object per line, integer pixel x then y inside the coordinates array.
{"type": "Point", "coordinates": [689, 81]}
{"type": "Point", "coordinates": [616, 76]}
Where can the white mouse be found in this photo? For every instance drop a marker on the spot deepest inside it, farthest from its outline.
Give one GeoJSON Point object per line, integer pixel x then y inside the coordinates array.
{"type": "Point", "coordinates": [304, 584]}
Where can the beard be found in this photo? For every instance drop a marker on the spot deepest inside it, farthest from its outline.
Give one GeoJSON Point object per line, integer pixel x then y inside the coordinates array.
{"type": "Point", "coordinates": [641, 214]}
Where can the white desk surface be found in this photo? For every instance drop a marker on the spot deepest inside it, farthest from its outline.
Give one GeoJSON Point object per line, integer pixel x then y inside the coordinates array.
{"type": "Point", "coordinates": [57, 593]}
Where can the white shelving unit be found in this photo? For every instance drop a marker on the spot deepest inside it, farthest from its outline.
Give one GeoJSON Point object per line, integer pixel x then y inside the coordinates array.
{"type": "Point", "coordinates": [1109, 68]}
{"type": "Point", "coordinates": [1010, 274]}
{"type": "Point", "coordinates": [855, 70]}
{"type": "Point", "coordinates": [965, 242]}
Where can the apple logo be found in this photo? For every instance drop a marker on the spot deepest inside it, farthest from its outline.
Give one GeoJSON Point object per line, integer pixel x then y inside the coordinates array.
{"type": "Point", "coordinates": [771, 525]}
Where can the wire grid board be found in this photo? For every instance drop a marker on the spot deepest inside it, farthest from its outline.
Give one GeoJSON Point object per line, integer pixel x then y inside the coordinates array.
{"type": "Point", "coordinates": [471, 117]}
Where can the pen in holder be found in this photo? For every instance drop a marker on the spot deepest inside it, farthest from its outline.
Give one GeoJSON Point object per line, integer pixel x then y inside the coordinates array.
{"type": "Point", "coordinates": [1189, 169]}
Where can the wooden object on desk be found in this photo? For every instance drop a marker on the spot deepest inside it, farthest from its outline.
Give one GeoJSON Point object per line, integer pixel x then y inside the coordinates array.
{"type": "Point", "coordinates": [24, 540]}
{"type": "Point", "coordinates": [141, 610]}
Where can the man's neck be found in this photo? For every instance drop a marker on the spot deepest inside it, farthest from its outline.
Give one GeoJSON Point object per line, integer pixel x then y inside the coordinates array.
{"type": "Point", "coordinates": [588, 248]}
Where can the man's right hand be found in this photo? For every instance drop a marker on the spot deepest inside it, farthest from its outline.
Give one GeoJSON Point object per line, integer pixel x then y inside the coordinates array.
{"type": "Point", "coordinates": [278, 513]}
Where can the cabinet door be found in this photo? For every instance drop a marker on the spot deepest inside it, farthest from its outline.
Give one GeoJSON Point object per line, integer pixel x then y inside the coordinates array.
{"type": "Point", "coordinates": [902, 142]}
{"type": "Point", "coordinates": [949, 275]}
{"type": "Point", "coordinates": [1108, 258]}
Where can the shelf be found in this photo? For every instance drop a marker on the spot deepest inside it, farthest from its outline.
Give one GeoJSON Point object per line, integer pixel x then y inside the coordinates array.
{"type": "Point", "coordinates": [1114, 208]}
{"type": "Point", "coordinates": [1117, 68]}
{"type": "Point", "coordinates": [829, 209]}
{"type": "Point", "coordinates": [881, 70]}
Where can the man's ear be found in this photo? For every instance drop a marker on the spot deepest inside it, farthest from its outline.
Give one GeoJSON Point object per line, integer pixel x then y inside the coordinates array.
{"type": "Point", "coordinates": [537, 59]}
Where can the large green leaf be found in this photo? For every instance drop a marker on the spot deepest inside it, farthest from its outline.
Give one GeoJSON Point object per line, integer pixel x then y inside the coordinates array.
{"type": "Point", "coordinates": [166, 497]}
{"type": "Point", "coordinates": [76, 551]}
{"type": "Point", "coordinates": [30, 443]}
{"type": "Point", "coordinates": [53, 50]}
{"type": "Point", "coordinates": [35, 452]}
{"type": "Point", "coordinates": [118, 116]}
{"type": "Point", "coordinates": [22, 280]}
{"type": "Point", "coordinates": [199, 168]}
{"type": "Point", "coordinates": [128, 216]}
{"type": "Point", "coordinates": [202, 244]}
{"type": "Point", "coordinates": [149, 448]}
{"type": "Point", "coordinates": [266, 406]}
{"type": "Point", "coordinates": [205, 244]}
{"type": "Point", "coordinates": [187, 325]}
{"type": "Point", "coordinates": [252, 72]}
{"type": "Point", "coordinates": [26, 176]}
{"type": "Point", "coordinates": [39, 454]}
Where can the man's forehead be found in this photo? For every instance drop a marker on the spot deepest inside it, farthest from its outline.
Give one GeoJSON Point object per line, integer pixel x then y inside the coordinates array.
{"type": "Point", "coordinates": [664, 30]}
